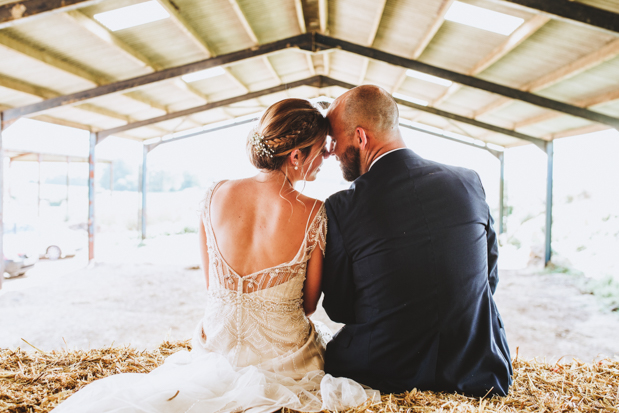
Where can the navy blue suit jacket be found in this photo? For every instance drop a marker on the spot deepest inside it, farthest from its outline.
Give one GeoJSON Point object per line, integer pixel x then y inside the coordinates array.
{"type": "Point", "coordinates": [410, 268]}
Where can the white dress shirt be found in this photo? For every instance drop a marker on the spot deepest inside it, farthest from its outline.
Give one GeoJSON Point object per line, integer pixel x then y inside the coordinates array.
{"type": "Point", "coordinates": [386, 153]}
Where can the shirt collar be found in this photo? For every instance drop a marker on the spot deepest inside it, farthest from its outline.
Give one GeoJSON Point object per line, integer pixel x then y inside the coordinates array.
{"type": "Point", "coordinates": [386, 153]}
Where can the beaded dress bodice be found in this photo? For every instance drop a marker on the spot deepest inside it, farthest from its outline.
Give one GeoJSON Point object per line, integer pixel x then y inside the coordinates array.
{"type": "Point", "coordinates": [258, 319]}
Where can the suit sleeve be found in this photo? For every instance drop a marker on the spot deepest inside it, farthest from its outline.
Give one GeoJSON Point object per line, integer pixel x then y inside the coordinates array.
{"type": "Point", "coordinates": [493, 254]}
{"type": "Point", "coordinates": [493, 248]}
{"type": "Point", "coordinates": [337, 277]}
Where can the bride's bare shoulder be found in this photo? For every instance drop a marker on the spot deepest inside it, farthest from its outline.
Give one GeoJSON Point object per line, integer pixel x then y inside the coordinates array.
{"type": "Point", "coordinates": [225, 189]}
{"type": "Point", "coordinates": [311, 204]}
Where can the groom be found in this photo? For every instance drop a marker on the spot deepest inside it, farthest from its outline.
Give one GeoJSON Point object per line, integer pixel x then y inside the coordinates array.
{"type": "Point", "coordinates": [410, 264]}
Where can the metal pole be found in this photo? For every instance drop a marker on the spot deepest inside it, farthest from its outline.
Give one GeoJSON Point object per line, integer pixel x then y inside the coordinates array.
{"type": "Point", "coordinates": [502, 194]}
{"type": "Point", "coordinates": [91, 198]}
{"type": "Point", "coordinates": [1, 205]}
{"type": "Point", "coordinates": [40, 161]}
{"type": "Point", "coordinates": [68, 186]}
{"type": "Point", "coordinates": [549, 181]}
{"type": "Point", "coordinates": [144, 188]}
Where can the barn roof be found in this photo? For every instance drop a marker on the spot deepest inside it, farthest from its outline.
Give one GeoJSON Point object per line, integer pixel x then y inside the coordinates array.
{"type": "Point", "coordinates": [555, 75]}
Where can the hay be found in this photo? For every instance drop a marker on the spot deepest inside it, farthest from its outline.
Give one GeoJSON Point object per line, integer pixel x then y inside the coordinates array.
{"type": "Point", "coordinates": [35, 381]}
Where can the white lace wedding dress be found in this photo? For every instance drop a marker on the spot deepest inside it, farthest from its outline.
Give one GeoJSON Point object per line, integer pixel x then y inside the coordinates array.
{"type": "Point", "coordinates": [254, 350]}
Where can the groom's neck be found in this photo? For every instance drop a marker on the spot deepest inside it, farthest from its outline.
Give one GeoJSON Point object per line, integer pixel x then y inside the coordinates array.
{"type": "Point", "coordinates": [369, 156]}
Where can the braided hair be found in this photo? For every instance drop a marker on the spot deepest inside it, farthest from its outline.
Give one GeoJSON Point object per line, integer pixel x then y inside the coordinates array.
{"type": "Point", "coordinates": [285, 126]}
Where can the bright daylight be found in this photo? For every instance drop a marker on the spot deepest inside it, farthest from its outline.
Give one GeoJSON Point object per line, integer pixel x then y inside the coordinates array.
{"type": "Point", "coordinates": [308, 206]}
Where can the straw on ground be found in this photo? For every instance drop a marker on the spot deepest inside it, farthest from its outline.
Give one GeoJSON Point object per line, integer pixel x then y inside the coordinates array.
{"type": "Point", "coordinates": [36, 381]}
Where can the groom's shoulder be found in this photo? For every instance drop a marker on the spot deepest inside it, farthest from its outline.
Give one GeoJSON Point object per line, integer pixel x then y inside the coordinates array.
{"type": "Point", "coordinates": [339, 200]}
{"type": "Point", "coordinates": [449, 171]}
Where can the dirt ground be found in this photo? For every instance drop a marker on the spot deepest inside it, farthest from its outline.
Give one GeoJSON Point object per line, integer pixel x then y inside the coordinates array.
{"type": "Point", "coordinates": [144, 295]}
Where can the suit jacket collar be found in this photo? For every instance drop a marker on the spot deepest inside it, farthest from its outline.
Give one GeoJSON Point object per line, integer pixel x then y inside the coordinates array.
{"type": "Point", "coordinates": [386, 162]}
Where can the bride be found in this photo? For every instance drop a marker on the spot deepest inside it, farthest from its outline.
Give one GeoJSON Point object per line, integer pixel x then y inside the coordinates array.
{"type": "Point", "coordinates": [262, 246]}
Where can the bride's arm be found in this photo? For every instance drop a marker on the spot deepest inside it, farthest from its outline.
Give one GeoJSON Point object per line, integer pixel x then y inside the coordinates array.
{"type": "Point", "coordinates": [313, 277]}
{"type": "Point", "coordinates": [203, 250]}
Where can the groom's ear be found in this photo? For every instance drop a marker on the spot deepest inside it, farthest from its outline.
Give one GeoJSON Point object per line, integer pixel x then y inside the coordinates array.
{"type": "Point", "coordinates": [361, 137]}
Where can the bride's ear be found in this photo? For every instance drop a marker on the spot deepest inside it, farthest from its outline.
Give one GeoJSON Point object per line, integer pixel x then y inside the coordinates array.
{"type": "Point", "coordinates": [295, 158]}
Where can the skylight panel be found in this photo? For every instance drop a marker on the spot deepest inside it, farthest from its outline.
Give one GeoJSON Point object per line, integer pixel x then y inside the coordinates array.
{"type": "Point", "coordinates": [131, 16]}
{"type": "Point", "coordinates": [428, 78]}
{"type": "Point", "coordinates": [410, 99]}
{"type": "Point", "coordinates": [484, 19]}
{"type": "Point", "coordinates": [203, 74]}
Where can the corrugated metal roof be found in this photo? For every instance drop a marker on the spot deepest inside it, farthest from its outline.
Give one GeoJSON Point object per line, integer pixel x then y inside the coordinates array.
{"type": "Point", "coordinates": [63, 52]}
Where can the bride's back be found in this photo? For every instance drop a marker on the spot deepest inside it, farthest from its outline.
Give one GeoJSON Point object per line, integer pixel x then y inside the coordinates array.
{"type": "Point", "coordinates": [258, 225]}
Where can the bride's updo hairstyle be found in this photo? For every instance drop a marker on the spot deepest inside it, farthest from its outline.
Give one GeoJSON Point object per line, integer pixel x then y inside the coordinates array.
{"type": "Point", "coordinates": [285, 126]}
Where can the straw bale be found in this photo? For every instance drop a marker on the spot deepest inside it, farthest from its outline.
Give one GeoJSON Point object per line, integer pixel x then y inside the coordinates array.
{"type": "Point", "coordinates": [36, 381]}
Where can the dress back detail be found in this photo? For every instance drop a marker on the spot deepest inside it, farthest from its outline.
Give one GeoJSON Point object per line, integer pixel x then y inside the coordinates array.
{"type": "Point", "coordinates": [258, 319]}
{"type": "Point", "coordinates": [254, 351]}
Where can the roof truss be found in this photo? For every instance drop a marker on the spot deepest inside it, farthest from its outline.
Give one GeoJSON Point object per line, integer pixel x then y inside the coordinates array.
{"type": "Point", "coordinates": [316, 81]}
{"type": "Point", "coordinates": [314, 42]}
{"type": "Point", "coordinates": [574, 11]}
{"type": "Point", "coordinates": [330, 42]}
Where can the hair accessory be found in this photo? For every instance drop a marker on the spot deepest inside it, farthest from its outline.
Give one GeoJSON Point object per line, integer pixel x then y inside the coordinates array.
{"type": "Point", "coordinates": [257, 141]}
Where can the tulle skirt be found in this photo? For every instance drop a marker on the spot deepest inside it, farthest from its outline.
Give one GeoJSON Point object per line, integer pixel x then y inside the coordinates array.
{"type": "Point", "coordinates": [207, 382]}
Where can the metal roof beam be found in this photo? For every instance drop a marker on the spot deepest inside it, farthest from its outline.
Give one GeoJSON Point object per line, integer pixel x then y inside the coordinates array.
{"type": "Point", "coordinates": [330, 42]}
{"type": "Point", "coordinates": [609, 51]}
{"type": "Point", "coordinates": [317, 81]}
{"type": "Point", "coordinates": [426, 39]}
{"type": "Point", "coordinates": [193, 35]}
{"type": "Point", "coordinates": [98, 30]}
{"type": "Point", "coordinates": [44, 93]}
{"type": "Point", "coordinates": [511, 42]}
{"type": "Point", "coordinates": [60, 64]}
{"type": "Point", "coordinates": [20, 11]}
{"type": "Point", "coordinates": [104, 34]}
{"type": "Point", "coordinates": [311, 81]}
{"type": "Point", "coordinates": [573, 11]}
{"type": "Point", "coordinates": [323, 15]}
{"type": "Point", "coordinates": [300, 15]}
{"type": "Point", "coordinates": [440, 135]}
{"type": "Point", "coordinates": [303, 40]}
{"type": "Point", "coordinates": [243, 20]}
{"type": "Point", "coordinates": [604, 97]}
{"type": "Point", "coordinates": [333, 82]}
{"type": "Point", "coordinates": [373, 32]}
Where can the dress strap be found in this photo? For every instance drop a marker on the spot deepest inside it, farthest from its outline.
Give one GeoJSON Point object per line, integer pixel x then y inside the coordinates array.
{"type": "Point", "coordinates": [309, 219]}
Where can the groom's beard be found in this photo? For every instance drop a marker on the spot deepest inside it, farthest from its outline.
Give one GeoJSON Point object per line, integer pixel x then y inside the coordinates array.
{"type": "Point", "coordinates": [350, 162]}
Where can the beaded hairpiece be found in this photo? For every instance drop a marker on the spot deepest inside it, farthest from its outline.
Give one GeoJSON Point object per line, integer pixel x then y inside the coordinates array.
{"type": "Point", "coordinates": [257, 141]}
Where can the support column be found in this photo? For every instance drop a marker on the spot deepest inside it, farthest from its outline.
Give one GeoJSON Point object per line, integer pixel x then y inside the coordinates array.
{"type": "Point", "coordinates": [91, 198]}
{"type": "Point", "coordinates": [1, 205]}
{"type": "Point", "coordinates": [502, 194]}
{"type": "Point", "coordinates": [144, 189]}
{"type": "Point", "coordinates": [549, 182]}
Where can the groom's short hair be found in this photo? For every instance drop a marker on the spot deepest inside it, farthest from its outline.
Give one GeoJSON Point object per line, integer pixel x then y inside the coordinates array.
{"type": "Point", "coordinates": [370, 107]}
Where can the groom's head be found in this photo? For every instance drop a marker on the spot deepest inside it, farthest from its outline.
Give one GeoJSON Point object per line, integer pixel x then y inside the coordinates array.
{"type": "Point", "coordinates": [363, 121]}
